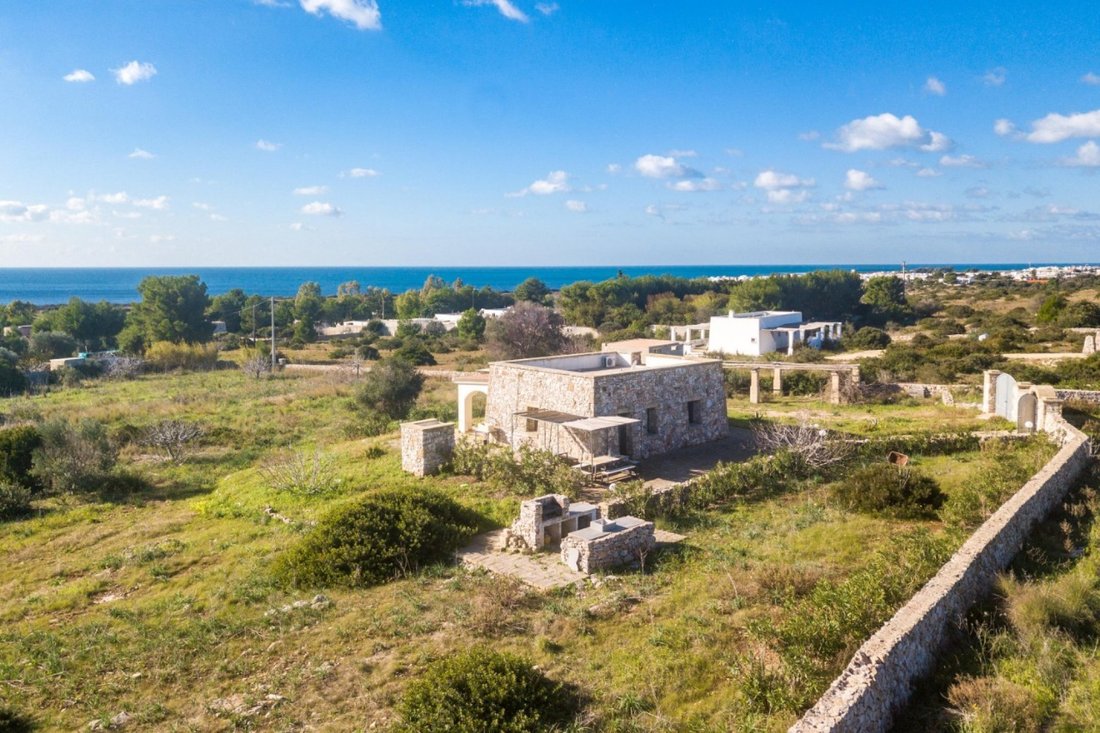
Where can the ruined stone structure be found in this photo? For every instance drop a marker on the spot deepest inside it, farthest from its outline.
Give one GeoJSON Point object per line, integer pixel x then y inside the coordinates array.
{"type": "Point", "coordinates": [608, 543]}
{"type": "Point", "coordinates": [636, 404]}
{"type": "Point", "coordinates": [426, 445]}
{"type": "Point", "coordinates": [841, 376]}
{"type": "Point", "coordinates": [880, 678]}
{"type": "Point", "coordinates": [546, 519]}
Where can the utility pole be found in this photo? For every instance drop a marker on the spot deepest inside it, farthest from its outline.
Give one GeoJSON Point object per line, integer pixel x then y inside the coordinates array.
{"type": "Point", "coordinates": [254, 324]}
{"type": "Point", "coordinates": [272, 334]}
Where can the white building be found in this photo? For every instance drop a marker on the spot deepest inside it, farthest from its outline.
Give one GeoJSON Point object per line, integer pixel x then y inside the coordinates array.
{"type": "Point", "coordinates": [764, 332]}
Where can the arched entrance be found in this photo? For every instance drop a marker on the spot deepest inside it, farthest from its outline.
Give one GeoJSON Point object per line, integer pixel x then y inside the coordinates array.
{"type": "Point", "coordinates": [1026, 412]}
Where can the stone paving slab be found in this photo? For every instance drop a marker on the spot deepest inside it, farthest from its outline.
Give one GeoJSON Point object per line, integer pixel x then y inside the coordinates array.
{"type": "Point", "coordinates": [543, 570]}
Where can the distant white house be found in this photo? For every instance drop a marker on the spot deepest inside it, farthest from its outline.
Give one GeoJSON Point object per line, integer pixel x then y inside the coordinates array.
{"type": "Point", "coordinates": [765, 332]}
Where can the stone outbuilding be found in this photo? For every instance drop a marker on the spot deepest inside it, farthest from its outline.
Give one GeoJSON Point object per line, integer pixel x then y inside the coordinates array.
{"type": "Point", "coordinates": [634, 403]}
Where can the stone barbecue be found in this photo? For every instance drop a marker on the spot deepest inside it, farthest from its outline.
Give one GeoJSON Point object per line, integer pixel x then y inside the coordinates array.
{"type": "Point", "coordinates": [546, 519]}
{"type": "Point", "coordinates": [608, 543]}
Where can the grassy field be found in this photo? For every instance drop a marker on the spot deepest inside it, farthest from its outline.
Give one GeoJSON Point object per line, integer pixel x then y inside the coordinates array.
{"type": "Point", "coordinates": [160, 603]}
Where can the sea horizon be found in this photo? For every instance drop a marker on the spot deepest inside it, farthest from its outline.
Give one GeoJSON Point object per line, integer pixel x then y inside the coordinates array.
{"type": "Point", "coordinates": [54, 285]}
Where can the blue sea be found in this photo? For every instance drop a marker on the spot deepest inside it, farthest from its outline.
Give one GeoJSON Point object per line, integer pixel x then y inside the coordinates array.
{"type": "Point", "coordinates": [44, 286]}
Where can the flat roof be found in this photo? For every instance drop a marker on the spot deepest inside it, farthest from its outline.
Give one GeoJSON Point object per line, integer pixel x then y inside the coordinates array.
{"type": "Point", "coordinates": [637, 344]}
{"type": "Point", "coordinates": [547, 363]}
{"type": "Point", "coordinates": [596, 531]}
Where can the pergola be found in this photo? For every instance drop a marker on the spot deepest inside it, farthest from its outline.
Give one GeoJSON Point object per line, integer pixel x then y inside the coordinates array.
{"type": "Point", "coordinates": [575, 426]}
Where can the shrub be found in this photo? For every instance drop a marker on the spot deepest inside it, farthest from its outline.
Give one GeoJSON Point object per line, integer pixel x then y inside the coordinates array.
{"type": "Point", "coordinates": [302, 473]}
{"type": "Point", "coordinates": [385, 535]}
{"type": "Point", "coordinates": [867, 337]}
{"type": "Point", "coordinates": [12, 380]}
{"type": "Point", "coordinates": [415, 352]}
{"type": "Point", "coordinates": [15, 501]}
{"type": "Point", "coordinates": [17, 446]}
{"type": "Point", "coordinates": [885, 489]}
{"type": "Point", "coordinates": [391, 388]}
{"type": "Point", "coordinates": [73, 457]}
{"type": "Point", "coordinates": [527, 472]}
{"type": "Point", "coordinates": [482, 691]}
{"type": "Point", "coordinates": [167, 356]}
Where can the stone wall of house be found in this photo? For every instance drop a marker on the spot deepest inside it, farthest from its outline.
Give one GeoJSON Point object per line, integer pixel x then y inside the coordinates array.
{"type": "Point", "coordinates": [513, 388]}
{"type": "Point", "coordinates": [668, 391]}
{"type": "Point", "coordinates": [878, 681]}
{"type": "Point", "coordinates": [426, 445]}
{"type": "Point", "coordinates": [609, 551]}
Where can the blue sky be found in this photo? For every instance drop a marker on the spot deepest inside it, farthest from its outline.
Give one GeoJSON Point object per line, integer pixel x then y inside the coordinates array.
{"type": "Point", "coordinates": [480, 132]}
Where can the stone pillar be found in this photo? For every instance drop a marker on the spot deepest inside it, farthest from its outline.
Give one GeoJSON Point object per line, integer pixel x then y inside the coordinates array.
{"type": "Point", "coordinates": [855, 376]}
{"type": "Point", "coordinates": [754, 386]}
{"type": "Point", "coordinates": [777, 381]}
{"type": "Point", "coordinates": [989, 391]}
{"type": "Point", "coordinates": [426, 445]}
{"type": "Point", "coordinates": [834, 388]}
{"type": "Point", "coordinates": [1090, 345]}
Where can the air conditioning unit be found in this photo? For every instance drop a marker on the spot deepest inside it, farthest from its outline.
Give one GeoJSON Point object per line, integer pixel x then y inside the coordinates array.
{"type": "Point", "coordinates": [609, 362]}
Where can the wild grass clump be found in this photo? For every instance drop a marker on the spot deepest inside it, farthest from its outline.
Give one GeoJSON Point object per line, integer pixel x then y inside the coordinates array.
{"type": "Point", "coordinates": [887, 490]}
{"type": "Point", "coordinates": [383, 536]}
{"type": "Point", "coordinates": [482, 691]}
{"type": "Point", "coordinates": [167, 356]}
{"type": "Point", "coordinates": [1010, 464]}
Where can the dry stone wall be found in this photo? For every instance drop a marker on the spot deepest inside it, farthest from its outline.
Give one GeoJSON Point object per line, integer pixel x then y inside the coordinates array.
{"type": "Point", "coordinates": [1090, 396]}
{"type": "Point", "coordinates": [879, 679]}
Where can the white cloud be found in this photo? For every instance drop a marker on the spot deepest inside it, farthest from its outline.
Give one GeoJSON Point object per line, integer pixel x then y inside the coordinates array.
{"type": "Point", "coordinates": [362, 173]}
{"type": "Point", "coordinates": [158, 238]}
{"type": "Point", "coordinates": [1004, 127]}
{"type": "Point", "coordinates": [935, 86]}
{"type": "Point", "coordinates": [298, 226]}
{"type": "Point", "coordinates": [311, 191]}
{"type": "Point", "coordinates": [695, 184]}
{"type": "Point", "coordinates": [788, 196]}
{"type": "Point", "coordinates": [961, 161]}
{"type": "Point", "coordinates": [218, 217]}
{"type": "Point", "coordinates": [267, 146]}
{"type": "Point", "coordinates": [678, 153]}
{"type": "Point", "coordinates": [14, 211]}
{"type": "Point", "coordinates": [879, 132]}
{"type": "Point", "coordinates": [809, 135]}
{"type": "Point", "coordinates": [202, 206]}
{"type": "Point", "coordinates": [506, 8]}
{"type": "Point", "coordinates": [578, 206]}
{"type": "Point", "coordinates": [126, 214]}
{"type": "Point", "coordinates": [1088, 155]}
{"type": "Point", "coordinates": [79, 76]}
{"type": "Point", "coordinates": [140, 154]}
{"type": "Point", "coordinates": [663, 166]}
{"type": "Point", "coordinates": [783, 188]}
{"type": "Point", "coordinates": [134, 72]}
{"type": "Point", "coordinates": [363, 14]}
{"type": "Point", "coordinates": [555, 182]}
{"type": "Point", "coordinates": [994, 77]}
{"type": "Point", "coordinates": [547, 8]}
{"type": "Point", "coordinates": [1054, 128]}
{"type": "Point", "coordinates": [113, 198]}
{"type": "Point", "coordinates": [321, 208]}
{"type": "Point", "coordinates": [614, 168]}
{"type": "Point", "coordinates": [929, 173]}
{"type": "Point", "coordinates": [21, 238]}
{"type": "Point", "coordinates": [160, 203]}
{"type": "Point", "coordinates": [1091, 79]}
{"type": "Point", "coordinates": [856, 180]}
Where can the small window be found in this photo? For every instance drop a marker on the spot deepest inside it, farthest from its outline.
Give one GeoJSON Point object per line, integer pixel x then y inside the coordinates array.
{"type": "Point", "coordinates": [695, 412]}
{"type": "Point", "coordinates": [651, 420]}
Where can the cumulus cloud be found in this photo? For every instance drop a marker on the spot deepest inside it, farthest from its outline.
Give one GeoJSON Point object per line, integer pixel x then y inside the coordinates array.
{"type": "Point", "coordinates": [1091, 79]}
{"type": "Point", "coordinates": [363, 14]}
{"type": "Point", "coordinates": [1004, 127]}
{"type": "Point", "coordinates": [783, 188]}
{"type": "Point", "coordinates": [935, 86]}
{"type": "Point", "coordinates": [361, 173]}
{"type": "Point", "coordinates": [663, 166]}
{"type": "Point", "coordinates": [994, 77]}
{"type": "Point", "coordinates": [880, 132]}
{"type": "Point", "coordinates": [547, 8]}
{"type": "Point", "coordinates": [695, 184]}
{"type": "Point", "coordinates": [113, 198]}
{"type": "Point", "coordinates": [311, 191]}
{"type": "Point", "coordinates": [1054, 128]}
{"type": "Point", "coordinates": [555, 182]}
{"type": "Point", "coordinates": [79, 76]}
{"type": "Point", "coordinates": [17, 211]}
{"type": "Point", "coordinates": [506, 8]}
{"type": "Point", "coordinates": [134, 72]}
{"type": "Point", "coordinates": [929, 173]}
{"type": "Point", "coordinates": [577, 206]}
{"type": "Point", "coordinates": [1088, 155]}
{"type": "Point", "coordinates": [140, 154]}
{"type": "Point", "coordinates": [856, 180]}
{"type": "Point", "coordinates": [321, 208]}
{"type": "Point", "coordinates": [267, 146]}
{"type": "Point", "coordinates": [160, 203]}
{"type": "Point", "coordinates": [961, 161]}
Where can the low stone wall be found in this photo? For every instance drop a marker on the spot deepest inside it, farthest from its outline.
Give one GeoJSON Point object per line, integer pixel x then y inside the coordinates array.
{"type": "Point", "coordinates": [426, 445]}
{"type": "Point", "coordinates": [614, 549]}
{"type": "Point", "coordinates": [1089, 396]}
{"type": "Point", "coordinates": [880, 677]}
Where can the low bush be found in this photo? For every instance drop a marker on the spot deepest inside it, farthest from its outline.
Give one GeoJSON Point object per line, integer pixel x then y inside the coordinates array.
{"type": "Point", "coordinates": [17, 446]}
{"type": "Point", "coordinates": [382, 537]}
{"type": "Point", "coordinates": [483, 691]}
{"type": "Point", "coordinates": [15, 501]}
{"type": "Point", "coordinates": [73, 457]}
{"type": "Point", "coordinates": [887, 490]}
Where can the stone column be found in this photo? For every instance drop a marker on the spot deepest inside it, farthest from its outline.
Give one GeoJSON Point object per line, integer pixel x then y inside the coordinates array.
{"type": "Point", "coordinates": [855, 376]}
{"type": "Point", "coordinates": [754, 386]}
{"type": "Point", "coordinates": [989, 391]}
{"type": "Point", "coordinates": [777, 381]}
{"type": "Point", "coordinates": [834, 388]}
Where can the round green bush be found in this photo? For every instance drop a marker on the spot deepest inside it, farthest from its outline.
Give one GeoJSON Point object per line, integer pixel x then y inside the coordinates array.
{"type": "Point", "coordinates": [885, 489]}
{"type": "Point", "coordinates": [15, 502]}
{"type": "Point", "coordinates": [382, 537]}
{"type": "Point", "coordinates": [482, 691]}
{"type": "Point", "coordinates": [17, 446]}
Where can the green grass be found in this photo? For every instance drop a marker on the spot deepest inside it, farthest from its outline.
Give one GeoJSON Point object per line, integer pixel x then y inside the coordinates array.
{"type": "Point", "coordinates": [162, 604]}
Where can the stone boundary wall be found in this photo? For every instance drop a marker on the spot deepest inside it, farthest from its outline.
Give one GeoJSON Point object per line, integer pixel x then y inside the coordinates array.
{"type": "Point", "coordinates": [1090, 396]}
{"type": "Point", "coordinates": [880, 677]}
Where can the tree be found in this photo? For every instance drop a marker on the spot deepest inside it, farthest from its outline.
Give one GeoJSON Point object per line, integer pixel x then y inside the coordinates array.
{"type": "Point", "coordinates": [228, 307]}
{"type": "Point", "coordinates": [884, 297]}
{"type": "Point", "coordinates": [172, 308]}
{"type": "Point", "coordinates": [1051, 308]}
{"type": "Point", "coordinates": [95, 326]}
{"type": "Point", "coordinates": [174, 437]}
{"type": "Point", "coordinates": [51, 345]}
{"type": "Point", "coordinates": [391, 388]}
{"type": "Point", "coordinates": [527, 330]}
{"type": "Point", "coordinates": [308, 306]}
{"type": "Point", "coordinates": [471, 325]}
{"type": "Point", "coordinates": [533, 290]}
